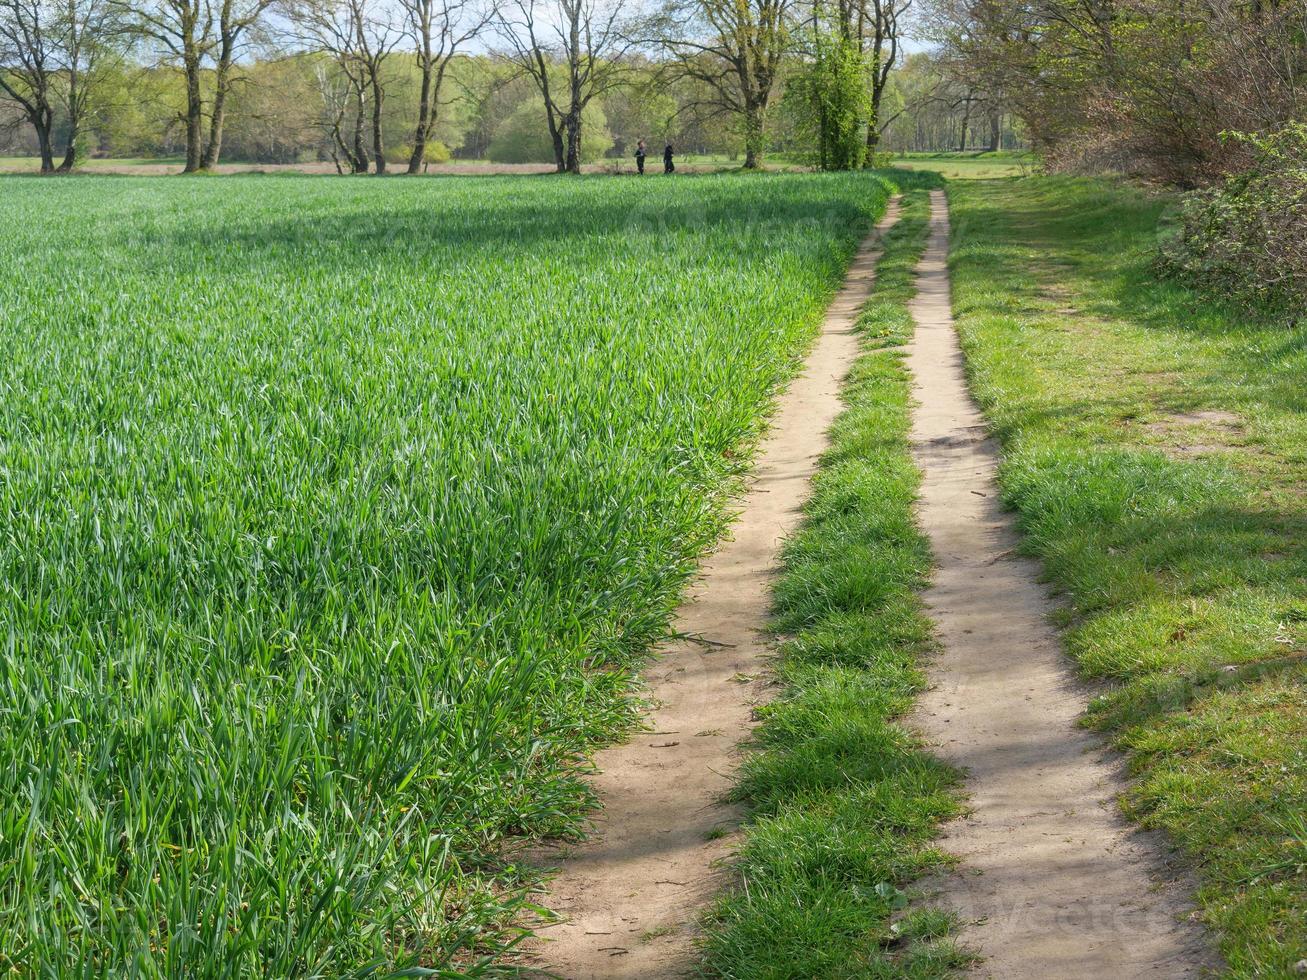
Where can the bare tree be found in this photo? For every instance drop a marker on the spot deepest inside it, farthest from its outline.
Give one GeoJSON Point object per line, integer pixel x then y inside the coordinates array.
{"type": "Point", "coordinates": [880, 29]}
{"type": "Point", "coordinates": [735, 48]}
{"type": "Point", "coordinates": [588, 40]}
{"type": "Point", "coordinates": [340, 91]}
{"type": "Point", "coordinates": [518, 27]}
{"type": "Point", "coordinates": [27, 67]}
{"type": "Point", "coordinates": [49, 52]}
{"type": "Point", "coordinates": [236, 19]}
{"type": "Point", "coordinates": [360, 36]}
{"type": "Point", "coordinates": [376, 35]}
{"type": "Point", "coordinates": [184, 30]}
{"type": "Point", "coordinates": [439, 29]}
{"type": "Point", "coordinates": [91, 35]}
{"type": "Point", "coordinates": [341, 82]}
{"type": "Point", "coordinates": [194, 33]}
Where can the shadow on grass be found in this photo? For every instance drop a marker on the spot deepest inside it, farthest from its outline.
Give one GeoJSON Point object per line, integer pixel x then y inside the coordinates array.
{"type": "Point", "coordinates": [371, 222]}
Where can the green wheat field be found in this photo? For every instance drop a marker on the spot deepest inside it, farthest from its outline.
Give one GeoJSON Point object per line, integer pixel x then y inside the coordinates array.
{"type": "Point", "coordinates": [334, 518]}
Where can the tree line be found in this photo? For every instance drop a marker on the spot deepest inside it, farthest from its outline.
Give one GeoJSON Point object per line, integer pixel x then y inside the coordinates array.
{"type": "Point", "coordinates": [376, 85]}
{"type": "Point", "coordinates": [1151, 88]}
{"type": "Point", "coordinates": [1209, 96]}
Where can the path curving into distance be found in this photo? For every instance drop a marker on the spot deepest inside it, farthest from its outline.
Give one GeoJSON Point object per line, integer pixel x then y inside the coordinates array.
{"type": "Point", "coordinates": [630, 895]}
{"type": "Point", "coordinates": [1052, 882]}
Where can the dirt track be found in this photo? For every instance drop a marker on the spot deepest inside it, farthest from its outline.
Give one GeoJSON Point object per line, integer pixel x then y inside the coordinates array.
{"type": "Point", "coordinates": [632, 893]}
{"type": "Point", "coordinates": [1053, 882]}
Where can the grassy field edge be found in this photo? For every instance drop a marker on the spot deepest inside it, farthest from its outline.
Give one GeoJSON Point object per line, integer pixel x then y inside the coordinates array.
{"type": "Point", "coordinates": [843, 801]}
{"type": "Point", "coordinates": [1155, 450]}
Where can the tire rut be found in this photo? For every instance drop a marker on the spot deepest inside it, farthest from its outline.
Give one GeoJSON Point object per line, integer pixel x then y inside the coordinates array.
{"type": "Point", "coordinates": [1053, 882]}
{"type": "Point", "coordinates": [630, 896]}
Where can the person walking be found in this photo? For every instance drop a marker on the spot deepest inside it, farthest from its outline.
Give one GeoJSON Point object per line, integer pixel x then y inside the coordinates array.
{"type": "Point", "coordinates": [640, 151]}
{"type": "Point", "coordinates": [668, 166]}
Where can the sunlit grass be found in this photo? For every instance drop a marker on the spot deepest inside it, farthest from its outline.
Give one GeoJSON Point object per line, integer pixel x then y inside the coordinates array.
{"type": "Point", "coordinates": [843, 800]}
{"type": "Point", "coordinates": [1155, 445]}
{"type": "Point", "coordinates": [335, 515]}
{"type": "Point", "coordinates": [970, 165]}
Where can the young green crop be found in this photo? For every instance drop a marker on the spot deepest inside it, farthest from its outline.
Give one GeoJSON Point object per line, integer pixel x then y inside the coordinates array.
{"type": "Point", "coordinates": [334, 515]}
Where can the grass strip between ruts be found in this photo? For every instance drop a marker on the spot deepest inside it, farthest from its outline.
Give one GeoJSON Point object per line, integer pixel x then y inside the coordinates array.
{"type": "Point", "coordinates": [843, 801]}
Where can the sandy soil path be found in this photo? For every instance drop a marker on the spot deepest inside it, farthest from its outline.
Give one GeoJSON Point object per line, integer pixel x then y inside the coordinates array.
{"type": "Point", "coordinates": [1053, 882]}
{"type": "Point", "coordinates": [630, 895]}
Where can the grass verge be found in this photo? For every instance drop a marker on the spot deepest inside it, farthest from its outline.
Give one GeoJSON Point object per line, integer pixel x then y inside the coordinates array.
{"type": "Point", "coordinates": [844, 803]}
{"type": "Point", "coordinates": [1155, 447]}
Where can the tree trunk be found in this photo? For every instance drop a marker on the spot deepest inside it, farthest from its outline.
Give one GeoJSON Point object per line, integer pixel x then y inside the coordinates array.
{"type": "Point", "coordinates": [194, 111]}
{"type": "Point", "coordinates": [556, 136]}
{"type": "Point", "coordinates": [359, 160]}
{"type": "Point", "coordinates": [573, 125]}
{"type": "Point", "coordinates": [339, 147]}
{"type": "Point", "coordinates": [43, 122]}
{"type": "Point", "coordinates": [418, 156]}
{"type": "Point", "coordinates": [222, 82]}
{"type": "Point", "coordinates": [823, 140]}
{"type": "Point", "coordinates": [429, 91]}
{"type": "Point", "coordinates": [572, 121]}
{"type": "Point", "coordinates": [378, 144]}
{"type": "Point", "coordinates": [70, 148]}
{"type": "Point", "coordinates": [753, 136]}
{"type": "Point", "coordinates": [873, 124]}
{"type": "Point", "coordinates": [995, 131]}
{"type": "Point", "coordinates": [74, 123]}
{"type": "Point", "coordinates": [213, 148]}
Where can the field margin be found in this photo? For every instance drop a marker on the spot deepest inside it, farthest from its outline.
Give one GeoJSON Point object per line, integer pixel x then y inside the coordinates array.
{"type": "Point", "coordinates": [1153, 451]}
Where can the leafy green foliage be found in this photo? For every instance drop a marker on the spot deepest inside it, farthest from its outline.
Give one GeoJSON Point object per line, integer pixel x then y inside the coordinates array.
{"type": "Point", "coordinates": [1249, 236]}
{"type": "Point", "coordinates": [336, 515]}
{"type": "Point", "coordinates": [831, 102]}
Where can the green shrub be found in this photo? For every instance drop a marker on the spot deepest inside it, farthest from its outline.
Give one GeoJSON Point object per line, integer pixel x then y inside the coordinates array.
{"type": "Point", "coordinates": [1248, 237]}
{"type": "Point", "coordinates": [399, 152]}
{"type": "Point", "coordinates": [438, 152]}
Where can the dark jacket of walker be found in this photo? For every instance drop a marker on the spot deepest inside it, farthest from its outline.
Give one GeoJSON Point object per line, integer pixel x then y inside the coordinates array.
{"type": "Point", "coordinates": [668, 166]}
